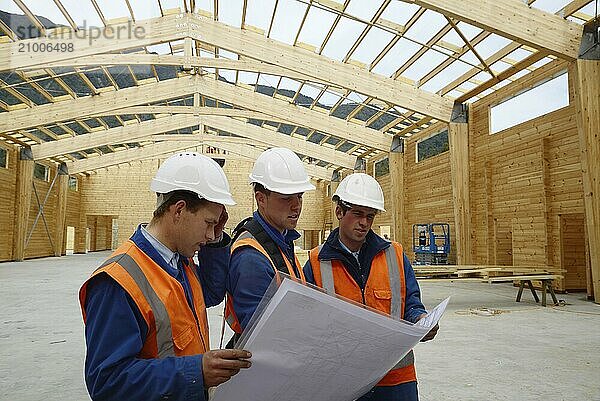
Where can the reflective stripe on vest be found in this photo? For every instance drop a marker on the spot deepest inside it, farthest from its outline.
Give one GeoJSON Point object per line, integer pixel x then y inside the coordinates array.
{"type": "Point", "coordinates": [396, 302]}
{"type": "Point", "coordinates": [173, 327]}
{"type": "Point", "coordinates": [164, 333]}
{"type": "Point", "coordinates": [247, 239]}
{"type": "Point", "coordinates": [392, 266]}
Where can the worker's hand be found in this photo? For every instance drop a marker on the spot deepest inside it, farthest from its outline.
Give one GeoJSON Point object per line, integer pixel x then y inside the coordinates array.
{"type": "Point", "coordinates": [221, 224]}
{"type": "Point", "coordinates": [220, 365]}
{"type": "Point", "coordinates": [432, 333]}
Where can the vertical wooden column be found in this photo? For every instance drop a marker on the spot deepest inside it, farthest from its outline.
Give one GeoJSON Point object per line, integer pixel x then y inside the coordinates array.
{"type": "Point", "coordinates": [334, 221]}
{"type": "Point", "coordinates": [489, 213]}
{"type": "Point", "coordinates": [61, 208]}
{"type": "Point", "coordinates": [22, 202]}
{"type": "Point", "coordinates": [458, 137]}
{"type": "Point", "coordinates": [588, 124]}
{"type": "Point", "coordinates": [396, 204]}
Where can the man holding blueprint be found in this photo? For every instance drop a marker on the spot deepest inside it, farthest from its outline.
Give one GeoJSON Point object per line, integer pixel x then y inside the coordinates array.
{"type": "Point", "coordinates": [359, 265]}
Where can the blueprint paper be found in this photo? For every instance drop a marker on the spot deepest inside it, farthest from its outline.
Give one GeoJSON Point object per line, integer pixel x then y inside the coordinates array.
{"type": "Point", "coordinates": [307, 345]}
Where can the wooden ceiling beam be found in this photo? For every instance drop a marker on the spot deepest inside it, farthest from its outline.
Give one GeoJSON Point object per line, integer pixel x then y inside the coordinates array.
{"type": "Point", "coordinates": [85, 106]}
{"type": "Point", "coordinates": [274, 138]}
{"type": "Point", "coordinates": [129, 155]}
{"type": "Point", "coordinates": [111, 38]}
{"type": "Point", "coordinates": [295, 115]}
{"type": "Point", "coordinates": [128, 133]}
{"type": "Point", "coordinates": [333, 72]}
{"type": "Point", "coordinates": [515, 20]}
{"type": "Point", "coordinates": [252, 153]}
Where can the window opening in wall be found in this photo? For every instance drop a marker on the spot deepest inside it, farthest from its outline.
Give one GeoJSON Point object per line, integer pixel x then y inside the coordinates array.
{"type": "Point", "coordinates": [382, 167]}
{"type": "Point", "coordinates": [545, 97]}
{"type": "Point", "coordinates": [3, 158]}
{"type": "Point", "coordinates": [40, 172]}
{"type": "Point", "coordinates": [73, 183]}
{"type": "Point", "coordinates": [432, 146]}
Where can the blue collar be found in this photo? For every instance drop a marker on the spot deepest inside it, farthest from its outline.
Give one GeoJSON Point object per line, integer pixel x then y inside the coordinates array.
{"type": "Point", "coordinates": [284, 241]}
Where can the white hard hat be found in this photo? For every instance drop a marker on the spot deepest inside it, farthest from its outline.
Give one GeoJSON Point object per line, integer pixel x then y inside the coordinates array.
{"type": "Point", "coordinates": [281, 170]}
{"type": "Point", "coordinates": [362, 190]}
{"type": "Point", "coordinates": [189, 171]}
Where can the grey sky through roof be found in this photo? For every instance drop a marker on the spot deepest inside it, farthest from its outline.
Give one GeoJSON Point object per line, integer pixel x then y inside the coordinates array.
{"type": "Point", "coordinates": [417, 47]}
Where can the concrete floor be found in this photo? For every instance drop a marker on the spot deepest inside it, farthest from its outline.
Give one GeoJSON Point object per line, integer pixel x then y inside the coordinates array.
{"type": "Point", "coordinates": [489, 347]}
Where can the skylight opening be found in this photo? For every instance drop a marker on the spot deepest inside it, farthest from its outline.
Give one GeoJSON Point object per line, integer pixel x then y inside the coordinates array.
{"type": "Point", "coordinates": [47, 9]}
{"type": "Point", "coordinates": [527, 105]}
{"type": "Point", "coordinates": [143, 9]}
{"type": "Point", "coordinates": [448, 74]}
{"type": "Point", "coordinates": [317, 24]}
{"type": "Point", "coordinates": [230, 12]}
{"type": "Point", "coordinates": [364, 10]}
{"type": "Point", "coordinates": [259, 12]}
{"type": "Point", "coordinates": [424, 65]}
{"type": "Point", "coordinates": [402, 51]}
{"type": "Point", "coordinates": [399, 12]}
{"type": "Point", "coordinates": [287, 20]}
{"type": "Point", "coordinates": [112, 9]}
{"type": "Point", "coordinates": [429, 24]}
{"type": "Point", "coordinates": [372, 44]}
{"type": "Point", "coordinates": [491, 45]}
{"type": "Point", "coordinates": [342, 39]}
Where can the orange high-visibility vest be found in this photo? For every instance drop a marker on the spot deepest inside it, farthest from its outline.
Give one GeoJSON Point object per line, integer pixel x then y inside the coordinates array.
{"type": "Point", "coordinates": [247, 239]}
{"type": "Point", "coordinates": [385, 291]}
{"type": "Point", "coordinates": [160, 298]}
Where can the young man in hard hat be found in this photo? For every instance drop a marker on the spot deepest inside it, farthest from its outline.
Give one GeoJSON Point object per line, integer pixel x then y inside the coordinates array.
{"type": "Point", "coordinates": [145, 307]}
{"type": "Point", "coordinates": [264, 244]}
{"type": "Point", "coordinates": [356, 263]}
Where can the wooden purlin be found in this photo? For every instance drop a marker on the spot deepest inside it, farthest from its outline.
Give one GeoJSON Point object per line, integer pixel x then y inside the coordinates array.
{"type": "Point", "coordinates": [128, 155]}
{"type": "Point", "coordinates": [515, 20]}
{"type": "Point", "coordinates": [127, 133]}
{"type": "Point", "coordinates": [294, 114]}
{"type": "Point", "coordinates": [333, 72]}
{"type": "Point", "coordinates": [274, 138]}
{"type": "Point", "coordinates": [109, 39]}
{"type": "Point", "coordinates": [77, 108]}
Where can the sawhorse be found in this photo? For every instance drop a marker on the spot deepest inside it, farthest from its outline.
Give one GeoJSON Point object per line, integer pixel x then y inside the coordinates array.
{"type": "Point", "coordinates": [546, 287]}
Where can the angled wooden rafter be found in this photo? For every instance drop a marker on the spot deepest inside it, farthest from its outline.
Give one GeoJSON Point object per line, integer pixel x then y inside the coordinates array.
{"type": "Point", "coordinates": [85, 106]}
{"type": "Point", "coordinates": [256, 46]}
{"type": "Point", "coordinates": [193, 61]}
{"type": "Point", "coordinates": [273, 138]}
{"type": "Point", "coordinates": [125, 156]}
{"type": "Point", "coordinates": [293, 114]}
{"type": "Point", "coordinates": [515, 20]}
{"type": "Point", "coordinates": [111, 136]}
{"type": "Point", "coordinates": [111, 38]}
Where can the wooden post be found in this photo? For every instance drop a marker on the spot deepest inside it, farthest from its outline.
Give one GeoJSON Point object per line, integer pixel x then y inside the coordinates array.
{"type": "Point", "coordinates": [458, 137]}
{"type": "Point", "coordinates": [396, 203]}
{"type": "Point", "coordinates": [334, 221]}
{"type": "Point", "coordinates": [588, 124]}
{"type": "Point", "coordinates": [24, 183]}
{"type": "Point", "coordinates": [61, 208]}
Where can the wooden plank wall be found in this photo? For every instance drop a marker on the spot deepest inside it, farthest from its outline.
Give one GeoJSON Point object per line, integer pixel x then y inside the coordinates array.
{"type": "Point", "coordinates": [8, 189]}
{"type": "Point", "coordinates": [124, 192]}
{"type": "Point", "coordinates": [522, 179]}
{"type": "Point", "coordinates": [428, 191]}
{"type": "Point", "coordinates": [39, 244]}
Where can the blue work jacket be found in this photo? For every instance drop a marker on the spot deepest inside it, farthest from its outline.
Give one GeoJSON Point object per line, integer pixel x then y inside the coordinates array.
{"type": "Point", "coordinates": [115, 333]}
{"type": "Point", "coordinates": [250, 272]}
